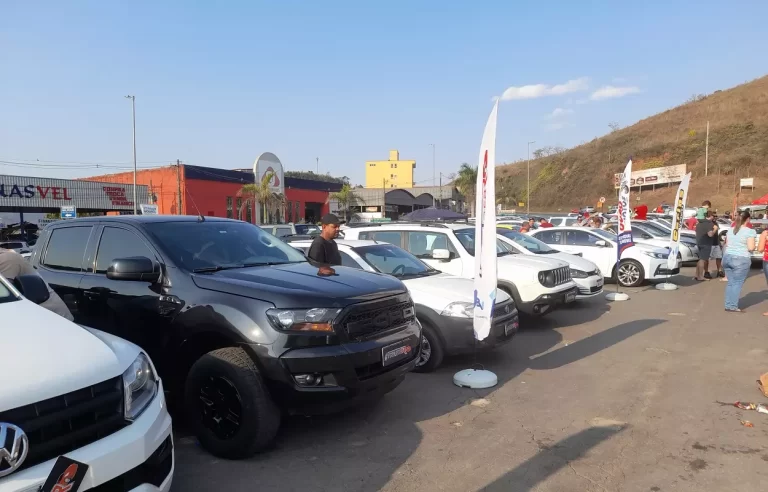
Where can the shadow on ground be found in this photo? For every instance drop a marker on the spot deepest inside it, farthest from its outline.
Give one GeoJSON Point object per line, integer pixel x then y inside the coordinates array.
{"type": "Point", "coordinates": [362, 448]}
{"type": "Point", "coordinates": [551, 459]}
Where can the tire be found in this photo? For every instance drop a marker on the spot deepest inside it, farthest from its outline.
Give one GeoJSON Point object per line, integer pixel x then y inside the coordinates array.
{"type": "Point", "coordinates": [431, 345]}
{"type": "Point", "coordinates": [228, 380]}
{"type": "Point", "coordinates": [630, 273]}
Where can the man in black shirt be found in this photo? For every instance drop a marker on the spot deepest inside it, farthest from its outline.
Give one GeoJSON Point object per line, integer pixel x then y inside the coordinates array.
{"type": "Point", "coordinates": [706, 230]}
{"type": "Point", "coordinates": [324, 249]}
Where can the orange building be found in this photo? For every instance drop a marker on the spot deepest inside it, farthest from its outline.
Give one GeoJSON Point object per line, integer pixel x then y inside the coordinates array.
{"type": "Point", "coordinates": [189, 190]}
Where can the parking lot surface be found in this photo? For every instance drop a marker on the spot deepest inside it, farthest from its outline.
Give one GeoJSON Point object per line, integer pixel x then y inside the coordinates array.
{"type": "Point", "coordinates": [596, 397]}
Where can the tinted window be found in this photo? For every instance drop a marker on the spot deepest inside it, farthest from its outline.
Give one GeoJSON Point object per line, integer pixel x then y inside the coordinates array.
{"type": "Point", "coordinates": [347, 261]}
{"type": "Point", "coordinates": [549, 236]}
{"type": "Point", "coordinates": [11, 245]}
{"type": "Point", "coordinates": [283, 231]}
{"type": "Point", "coordinates": [393, 261]}
{"type": "Point", "coordinates": [524, 240]}
{"type": "Point", "coordinates": [422, 244]}
{"type": "Point", "coordinates": [119, 243]}
{"type": "Point", "coordinates": [307, 229]}
{"type": "Point", "coordinates": [66, 248]}
{"type": "Point", "coordinates": [467, 239]}
{"type": "Point", "coordinates": [6, 295]}
{"type": "Point", "coordinates": [580, 238]}
{"type": "Point", "coordinates": [203, 245]}
{"type": "Point", "coordinates": [391, 237]}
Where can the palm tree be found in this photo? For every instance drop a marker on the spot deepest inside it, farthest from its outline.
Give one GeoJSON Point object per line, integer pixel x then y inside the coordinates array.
{"type": "Point", "coordinates": [262, 194]}
{"type": "Point", "coordinates": [346, 197]}
{"type": "Point", "coordinates": [466, 182]}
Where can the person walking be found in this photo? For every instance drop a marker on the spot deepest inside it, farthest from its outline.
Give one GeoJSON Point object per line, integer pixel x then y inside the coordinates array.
{"type": "Point", "coordinates": [705, 231]}
{"type": "Point", "coordinates": [762, 249]}
{"type": "Point", "coordinates": [324, 249]}
{"type": "Point", "coordinates": [717, 250]}
{"type": "Point", "coordinates": [739, 243]}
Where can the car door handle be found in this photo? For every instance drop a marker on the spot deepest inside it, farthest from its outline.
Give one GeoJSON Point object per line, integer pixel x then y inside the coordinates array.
{"type": "Point", "coordinates": [96, 293]}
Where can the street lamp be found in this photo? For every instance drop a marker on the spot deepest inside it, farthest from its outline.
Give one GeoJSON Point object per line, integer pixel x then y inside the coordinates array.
{"type": "Point", "coordinates": [433, 171]}
{"type": "Point", "coordinates": [133, 111]}
{"type": "Point", "coordinates": [528, 188]}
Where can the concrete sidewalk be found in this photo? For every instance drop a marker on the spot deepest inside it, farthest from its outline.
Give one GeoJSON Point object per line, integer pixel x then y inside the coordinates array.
{"type": "Point", "coordinates": [603, 397]}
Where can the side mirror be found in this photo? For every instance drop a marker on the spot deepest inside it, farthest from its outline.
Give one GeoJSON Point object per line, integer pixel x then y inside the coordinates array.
{"type": "Point", "coordinates": [441, 254]}
{"type": "Point", "coordinates": [601, 243]}
{"type": "Point", "coordinates": [32, 287]}
{"type": "Point", "coordinates": [135, 268]}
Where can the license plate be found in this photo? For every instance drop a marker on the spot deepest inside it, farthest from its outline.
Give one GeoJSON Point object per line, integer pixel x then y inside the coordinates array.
{"type": "Point", "coordinates": [66, 476]}
{"type": "Point", "coordinates": [570, 297]}
{"type": "Point", "coordinates": [395, 352]}
{"type": "Point", "coordinates": [510, 328]}
{"type": "Point", "coordinates": [600, 282]}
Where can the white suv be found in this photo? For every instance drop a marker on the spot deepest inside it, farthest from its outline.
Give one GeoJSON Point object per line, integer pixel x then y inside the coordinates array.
{"type": "Point", "coordinates": [78, 407]}
{"type": "Point", "coordinates": [538, 285]}
{"type": "Point", "coordinates": [444, 303]}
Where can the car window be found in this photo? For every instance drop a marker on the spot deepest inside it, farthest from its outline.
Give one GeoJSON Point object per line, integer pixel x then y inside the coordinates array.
{"type": "Point", "coordinates": [422, 244]}
{"type": "Point", "coordinates": [467, 239]}
{"type": "Point", "coordinates": [6, 295]}
{"type": "Point", "coordinates": [393, 261]}
{"type": "Point", "coordinates": [530, 243]}
{"type": "Point", "coordinates": [391, 237]}
{"type": "Point", "coordinates": [307, 229]}
{"type": "Point", "coordinates": [283, 231]}
{"type": "Point", "coordinates": [348, 261]}
{"type": "Point", "coordinates": [549, 236]}
{"type": "Point", "coordinates": [119, 243]}
{"type": "Point", "coordinates": [226, 244]}
{"type": "Point", "coordinates": [580, 238]}
{"type": "Point", "coordinates": [11, 245]}
{"type": "Point", "coordinates": [67, 247]}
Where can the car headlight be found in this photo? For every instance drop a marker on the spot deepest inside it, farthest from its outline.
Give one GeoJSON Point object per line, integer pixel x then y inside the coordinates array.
{"type": "Point", "coordinates": [315, 319]}
{"type": "Point", "coordinates": [139, 387]}
{"type": "Point", "coordinates": [654, 254]}
{"type": "Point", "coordinates": [459, 310]}
{"type": "Point", "coordinates": [578, 274]}
{"type": "Point", "coordinates": [547, 279]}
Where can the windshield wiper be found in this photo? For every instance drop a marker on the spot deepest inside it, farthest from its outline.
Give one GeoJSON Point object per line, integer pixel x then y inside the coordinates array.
{"type": "Point", "coordinates": [216, 268]}
{"type": "Point", "coordinates": [272, 263]}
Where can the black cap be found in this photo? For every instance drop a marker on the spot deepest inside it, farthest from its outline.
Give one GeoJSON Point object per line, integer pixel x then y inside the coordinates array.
{"type": "Point", "coordinates": [329, 219]}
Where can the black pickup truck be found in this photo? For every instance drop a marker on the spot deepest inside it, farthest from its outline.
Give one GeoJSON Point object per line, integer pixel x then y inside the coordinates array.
{"type": "Point", "coordinates": [240, 325]}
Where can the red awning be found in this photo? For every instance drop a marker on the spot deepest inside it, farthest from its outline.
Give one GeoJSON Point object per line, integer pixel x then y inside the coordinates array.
{"type": "Point", "coordinates": [763, 200]}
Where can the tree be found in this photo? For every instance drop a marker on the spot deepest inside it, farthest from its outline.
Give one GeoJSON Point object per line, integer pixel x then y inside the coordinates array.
{"type": "Point", "coordinates": [614, 126]}
{"type": "Point", "coordinates": [346, 197]}
{"type": "Point", "coordinates": [465, 182]}
{"type": "Point", "coordinates": [262, 194]}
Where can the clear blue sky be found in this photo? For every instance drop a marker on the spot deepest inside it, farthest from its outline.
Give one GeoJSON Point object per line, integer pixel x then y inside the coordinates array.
{"type": "Point", "coordinates": [221, 82]}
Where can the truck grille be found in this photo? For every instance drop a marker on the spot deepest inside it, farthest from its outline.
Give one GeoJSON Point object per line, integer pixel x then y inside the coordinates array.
{"type": "Point", "coordinates": [372, 317]}
{"type": "Point", "coordinates": [562, 275]}
{"type": "Point", "coordinates": [64, 423]}
{"type": "Point", "coordinates": [503, 310]}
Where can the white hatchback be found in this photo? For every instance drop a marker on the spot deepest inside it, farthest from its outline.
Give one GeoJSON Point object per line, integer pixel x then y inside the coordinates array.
{"type": "Point", "coordinates": [638, 263]}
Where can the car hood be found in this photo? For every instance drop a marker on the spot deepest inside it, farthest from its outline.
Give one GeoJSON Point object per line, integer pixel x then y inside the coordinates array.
{"type": "Point", "coordinates": [534, 263]}
{"type": "Point", "coordinates": [437, 291]}
{"type": "Point", "coordinates": [47, 356]}
{"type": "Point", "coordinates": [300, 285]}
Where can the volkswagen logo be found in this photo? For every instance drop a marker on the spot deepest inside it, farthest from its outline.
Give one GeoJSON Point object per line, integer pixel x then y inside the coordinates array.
{"type": "Point", "coordinates": [14, 446]}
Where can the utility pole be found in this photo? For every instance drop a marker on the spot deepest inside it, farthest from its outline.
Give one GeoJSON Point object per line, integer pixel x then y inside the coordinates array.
{"type": "Point", "coordinates": [433, 171]}
{"type": "Point", "coordinates": [133, 111]}
{"type": "Point", "coordinates": [528, 188]}
{"type": "Point", "coordinates": [441, 190]}
{"type": "Point", "coordinates": [706, 153]}
{"type": "Point", "coordinates": [178, 186]}
{"type": "Point", "coordinates": [317, 165]}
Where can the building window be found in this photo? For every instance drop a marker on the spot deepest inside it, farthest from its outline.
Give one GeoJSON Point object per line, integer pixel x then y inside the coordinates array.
{"type": "Point", "coordinates": [248, 212]}
{"type": "Point", "coordinates": [371, 164]}
{"type": "Point", "coordinates": [229, 207]}
{"type": "Point", "coordinates": [238, 212]}
{"type": "Point", "coordinates": [391, 176]}
{"type": "Point", "coordinates": [394, 165]}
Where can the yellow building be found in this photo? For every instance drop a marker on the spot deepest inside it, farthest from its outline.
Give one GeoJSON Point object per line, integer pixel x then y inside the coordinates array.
{"type": "Point", "coordinates": [392, 173]}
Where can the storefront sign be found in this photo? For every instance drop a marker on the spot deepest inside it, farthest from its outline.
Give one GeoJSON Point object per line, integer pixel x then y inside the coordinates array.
{"type": "Point", "coordinates": [68, 212]}
{"type": "Point", "coordinates": [47, 193]}
{"type": "Point", "coordinates": [147, 209]}
{"type": "Point", "coordinates": [658, 175]}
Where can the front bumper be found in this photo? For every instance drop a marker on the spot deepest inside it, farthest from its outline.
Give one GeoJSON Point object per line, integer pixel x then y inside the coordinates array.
{"type": "Point", "coordinates": [547, 303]}
{"type": "Point", "coordinates": [136, 458]}
{"type": "Point", "coordinates": [351, 371]}
{"type": "Point", "coordinates": [589, 287]}
{"type": "Point", "coordinates": [459, 334]}
{"type": "Point", "coordinates": [663, 271]}
{"type": "Point", "coordinates": [689, 253]}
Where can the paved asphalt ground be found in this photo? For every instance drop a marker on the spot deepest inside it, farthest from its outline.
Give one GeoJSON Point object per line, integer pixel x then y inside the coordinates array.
{"type": "Point", "coordinates": [597, 397]}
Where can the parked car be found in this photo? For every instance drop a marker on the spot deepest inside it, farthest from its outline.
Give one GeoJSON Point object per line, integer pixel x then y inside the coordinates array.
{"type": "Point", "coordinates": [444, 303]}
{"type": "Point", "coordinates": [71, 393]}
{"type": "Point", "coordinates": [587, 209]}
{"type": "Point", "coordinates": [20, 247]}
{"type": "Point", "coordinates": [538, 285]}
{"type": "Point", "coordinates": [291, 229]}
{"type": "Point", "coordinates": [584, 273]}
{"type": "Point", "coordinates": [563, 221]}
{"type": "Point", "coordinates": [638, 263]}
{"type": "Point", "coordinates": [239, 324]}
{"type": "Point", "coordinates": [646, 232]}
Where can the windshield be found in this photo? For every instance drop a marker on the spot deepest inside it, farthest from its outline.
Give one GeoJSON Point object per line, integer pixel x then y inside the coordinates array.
{"type": "Point", "coordinates": [467, 239]}
{"type": "Point", "coordinates": [307, 229]}
{"type": "Point", "coordinates": [218, 244]}
{"type": "Point", "coordinates": [5, 294]}
{"type": "Point", "coordinates": [389, 259]}
{"type": "Point", "coordinates": [528, 242]}
{"type": "Point", "coordinates": [604, 234]}
{"type": "Point", "coordinates": [652, 229]}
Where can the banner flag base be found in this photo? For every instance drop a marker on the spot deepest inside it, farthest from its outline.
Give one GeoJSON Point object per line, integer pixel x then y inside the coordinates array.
{"type": "Point", "coordinates": [475, 379]}
{"type": "Point", "coordinates": [666, 286]}
{"type": "Point", "coordinates": [617, 296]}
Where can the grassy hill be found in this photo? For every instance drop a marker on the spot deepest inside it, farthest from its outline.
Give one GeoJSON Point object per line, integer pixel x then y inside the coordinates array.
{"type": "Point", "coordinates": [738, 148]}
